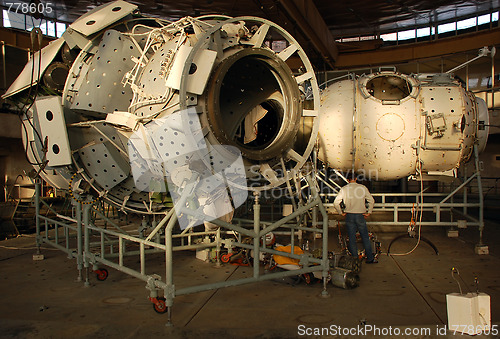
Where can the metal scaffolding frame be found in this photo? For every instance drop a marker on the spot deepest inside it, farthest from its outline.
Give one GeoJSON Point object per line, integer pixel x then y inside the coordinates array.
{"type": "Point", "coordinates": [441, 204]}
{"type": "Point", "coordinates": [93, 246]}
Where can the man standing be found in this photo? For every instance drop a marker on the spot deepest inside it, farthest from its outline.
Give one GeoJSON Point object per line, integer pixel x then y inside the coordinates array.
{"type": "Point", "coordinates": [354, 197]}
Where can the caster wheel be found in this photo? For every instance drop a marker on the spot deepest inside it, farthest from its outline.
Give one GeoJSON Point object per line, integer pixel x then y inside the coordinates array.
{"type": "Point", "coordinates": [102, 274]}
{"type": "Point", "coordinates": [308, 278]}
{"type": "Point", "coordinates": [225, 258]}
{"type": "Point", "coordinates": [159, 305]}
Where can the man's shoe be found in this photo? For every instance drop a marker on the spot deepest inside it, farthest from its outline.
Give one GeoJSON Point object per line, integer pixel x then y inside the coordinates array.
{"type": "Point", "coordinates": [374, 261]}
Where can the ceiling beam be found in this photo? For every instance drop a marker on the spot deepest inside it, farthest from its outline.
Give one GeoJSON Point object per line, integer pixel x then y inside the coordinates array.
{"type": "Point", "coordinates": [19, 38]}
{"type": "Point", "coordinates": [419, 51]}
{"type": "Point", "coordinates": [310, 21]}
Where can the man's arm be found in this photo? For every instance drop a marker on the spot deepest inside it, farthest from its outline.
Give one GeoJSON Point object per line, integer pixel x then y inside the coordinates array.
{"type": "Point", "coordinates": [370, 200]}
{"type": "Point", "coordinates": [338, 200]}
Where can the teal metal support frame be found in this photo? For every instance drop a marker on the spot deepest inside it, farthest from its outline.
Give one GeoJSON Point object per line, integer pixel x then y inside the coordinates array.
{"type": "Point", "coordinates": [481, 197]}
{"type": "Point", "coordinates": [38, 183]}
{"type": "Point", "coordinates": [86, 235]}
{"type": "Point", "coordinates": [79, 244]}
{"type": "Point", "coordinates": [440, 204]}
{"type": "Point", "coordinates": [89, 254]}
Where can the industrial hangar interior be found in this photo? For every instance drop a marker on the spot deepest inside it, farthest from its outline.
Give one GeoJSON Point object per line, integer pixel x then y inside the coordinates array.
{"type": "Point", "coordinates": [171, 168]}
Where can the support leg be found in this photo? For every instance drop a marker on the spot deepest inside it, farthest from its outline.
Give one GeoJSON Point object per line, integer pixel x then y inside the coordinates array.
{"type": "Point", "coordinates": [79, 242]}
{"type": "Point", "coordinates": [169, 291]}
{"type": "Point", "coordinates": [86, 252]}
{"type": "Point", "coordinates": [217, 248]}
{"type": "Point", "coordinates": [325, 261]}
{"type": "Point", "coordinates": [169, 317]}
{"type": "Point", "coordinates": [480, 248]}
{"type": "Point", "coordinates": [256, 229]}
{"type": "Point", "coordinates": [37, 209]}
{"type": "Point", "coordinates": [38, 255]}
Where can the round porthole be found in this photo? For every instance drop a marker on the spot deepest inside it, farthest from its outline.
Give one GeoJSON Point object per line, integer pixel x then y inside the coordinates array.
{"type": "Point", "coordinates": [389, 87]}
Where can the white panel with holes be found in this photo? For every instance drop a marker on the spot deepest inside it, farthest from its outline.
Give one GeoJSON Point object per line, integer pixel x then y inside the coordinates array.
{"type": "Point", "coordinates": [198, 72]}
{"type": "Point", "coordinates": [105, 164]}
{"type": "Point", "coordinates": [149, 178]}
{"type": "Point", "coordinates": [102, 16]}
{"type": "Point", "coordinates": [53, 126]}
{"type": "Point", "coordinates": [145, 162]}
{"type": "Point", "coordinates": [102, 92]}
{"type": "Point", "coordinates": [128, 189]}
{"type": "Point", "coordinates": [178, 139]}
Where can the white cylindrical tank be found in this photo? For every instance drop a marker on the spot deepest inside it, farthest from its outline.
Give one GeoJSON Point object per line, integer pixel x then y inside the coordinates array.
{"type": "Point", "coordinates": [384, 124]}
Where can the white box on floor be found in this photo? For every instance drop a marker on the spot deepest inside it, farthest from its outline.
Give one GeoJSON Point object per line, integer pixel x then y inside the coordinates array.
{"type": "Point", "coordinates": [202, 254]}
{"type": "Point", "coordinates": [468, 313]}
{"type": "Point", "coordinates": [481, 249]}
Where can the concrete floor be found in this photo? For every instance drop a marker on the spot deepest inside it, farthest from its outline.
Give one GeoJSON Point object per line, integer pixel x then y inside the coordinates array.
{"type": "Point", "coordinates": [42, 299]}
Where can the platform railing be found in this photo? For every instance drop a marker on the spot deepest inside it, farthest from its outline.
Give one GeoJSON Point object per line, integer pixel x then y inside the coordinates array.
{"type": "Point", "coordinates": [96, 246]}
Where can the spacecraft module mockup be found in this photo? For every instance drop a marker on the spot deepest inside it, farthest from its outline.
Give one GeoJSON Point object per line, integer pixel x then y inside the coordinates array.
{"type": "Point", "coordinates": [386, 125]}
{"type": "Point", "coordinates": [131, 109]}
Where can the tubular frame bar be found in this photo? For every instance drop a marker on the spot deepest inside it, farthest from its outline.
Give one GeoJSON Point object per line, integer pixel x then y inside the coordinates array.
{"type": "Point", "coordinates": [88, 257]}
{"type": "Point", "coordinates": [444, 204]}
